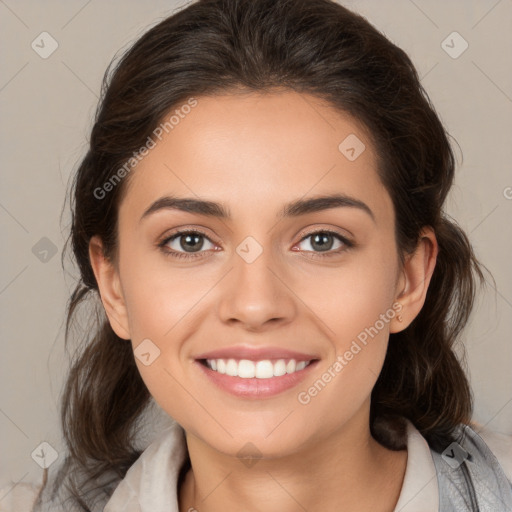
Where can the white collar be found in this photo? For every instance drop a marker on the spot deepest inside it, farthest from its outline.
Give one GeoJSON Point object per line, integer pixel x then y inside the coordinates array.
{"type": "Point", "coordinates": [150, 485]}
{"type": "Point", "coordinates": [420, 492]}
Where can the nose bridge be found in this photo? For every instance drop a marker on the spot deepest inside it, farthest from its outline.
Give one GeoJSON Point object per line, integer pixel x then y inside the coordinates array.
{"type": "Point", "coordinates": [255, 293]}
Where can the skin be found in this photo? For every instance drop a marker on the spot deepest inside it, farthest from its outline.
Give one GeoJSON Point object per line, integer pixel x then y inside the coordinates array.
{"type": "Point", "coordinates": [254, 153]}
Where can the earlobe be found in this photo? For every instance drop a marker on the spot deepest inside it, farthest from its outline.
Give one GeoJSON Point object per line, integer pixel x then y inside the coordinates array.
{"type": "Point", "coordinates": [414, 280]}
{"type": "Point", "coordinates": [109, 287]}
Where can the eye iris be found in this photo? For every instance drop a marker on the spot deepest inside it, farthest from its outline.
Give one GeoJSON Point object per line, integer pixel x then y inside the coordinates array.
{"type": "Point", "coordinates": [192, 242]}
{"type": "Point", "coordinates": [321, 241]}
{"type": "Point", "coordinates": [195, 239]}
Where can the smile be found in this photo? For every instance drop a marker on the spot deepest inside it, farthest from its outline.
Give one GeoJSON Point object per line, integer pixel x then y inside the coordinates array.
{"type": "Point", "coordinates": [257, 380]}
{"type": "Point", "coordinates": [264, 369]}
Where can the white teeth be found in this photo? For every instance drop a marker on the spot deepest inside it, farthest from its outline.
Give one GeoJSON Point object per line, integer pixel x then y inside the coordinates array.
{"type": "Point", "coordinates": [246, 369]}
{"type": "Point", "coordinates": [279, 368]}
{"type": "Point", "coordinates": [221, 366]}
{"type": "Point", "coordinates": [264, 369]}
{"type": "Point", "coordinates": [290, 367]}
{"type": "Point", "coordinates": [232, 368]}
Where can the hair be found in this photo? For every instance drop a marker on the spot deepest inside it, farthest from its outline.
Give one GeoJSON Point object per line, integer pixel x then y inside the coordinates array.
{"type": "Point", "coordinates": [316, 47]}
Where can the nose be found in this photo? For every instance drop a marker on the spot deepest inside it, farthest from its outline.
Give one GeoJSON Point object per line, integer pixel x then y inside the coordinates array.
{"type": "Point", "coordinates": [256, 295]}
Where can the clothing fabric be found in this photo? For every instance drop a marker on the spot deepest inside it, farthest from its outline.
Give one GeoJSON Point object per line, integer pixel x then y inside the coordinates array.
{"type": "Point", "coordinates": [433, 482]}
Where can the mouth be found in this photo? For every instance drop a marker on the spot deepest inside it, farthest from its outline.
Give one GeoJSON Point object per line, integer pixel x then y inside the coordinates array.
{"type": "Point", "coordinates": [255, 378]}
{"type": "Point", "coordinates": [262, 369]}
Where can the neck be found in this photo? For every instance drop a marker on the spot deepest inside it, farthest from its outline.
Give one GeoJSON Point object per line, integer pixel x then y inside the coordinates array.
{"type": "Point", "coordinates": [348, 470]}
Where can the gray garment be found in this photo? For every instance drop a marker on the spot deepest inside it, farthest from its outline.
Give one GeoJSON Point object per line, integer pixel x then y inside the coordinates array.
{"type": "Point", "coordinates": [469, 476]}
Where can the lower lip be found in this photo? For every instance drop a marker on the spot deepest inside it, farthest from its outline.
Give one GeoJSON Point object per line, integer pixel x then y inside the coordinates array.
{"type": "Point", "coordinates": [256, 388]}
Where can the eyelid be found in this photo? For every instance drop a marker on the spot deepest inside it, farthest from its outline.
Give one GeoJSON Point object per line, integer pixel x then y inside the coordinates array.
{"type": "Point", "coordinates": [182, 231]}
{"type": "Point", "coordinates": [177, 232]}
{"type": "Point", "coordinates": [327, 229]}
{"type": "Point", "coordinates": [191, 229]}
{"type": "Point", "coordinates": [346, 241]}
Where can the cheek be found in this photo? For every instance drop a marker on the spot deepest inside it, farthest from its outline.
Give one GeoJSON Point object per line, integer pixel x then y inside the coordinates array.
{"type": "Point", "coordinates": [355, 304]}
{"type": "Point", "coordinates": [162, 306]}
{"type": "Point", "coordinates": [352, 297]}
{"type": "Point", "coordinates": [157, 295]}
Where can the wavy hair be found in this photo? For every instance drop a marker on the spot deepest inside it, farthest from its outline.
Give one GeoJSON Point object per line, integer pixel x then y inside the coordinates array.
{"type": "Point", "coordinates": [308, 46]}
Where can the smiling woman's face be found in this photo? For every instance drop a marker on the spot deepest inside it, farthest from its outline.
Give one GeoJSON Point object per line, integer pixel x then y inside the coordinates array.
{"type": "Point", "coordinates": [256, 280]}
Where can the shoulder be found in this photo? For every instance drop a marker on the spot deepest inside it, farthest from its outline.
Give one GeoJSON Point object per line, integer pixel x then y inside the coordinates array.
{"type": "Point", "coordinates": [18, 497]}
{"type": "Point", "coordinates": [475, 467]}
{"type": "Point", "coordinates": [499, 444]}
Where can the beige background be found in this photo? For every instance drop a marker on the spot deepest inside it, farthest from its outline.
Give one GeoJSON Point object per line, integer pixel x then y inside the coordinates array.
{"type": "Point", "coordinates": [47, 107]}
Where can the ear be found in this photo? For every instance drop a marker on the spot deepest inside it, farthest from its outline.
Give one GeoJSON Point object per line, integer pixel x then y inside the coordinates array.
{"type": "Point", "coordinates": [109, 285]}
{"type": "Point", "coordinates": [414, 280]}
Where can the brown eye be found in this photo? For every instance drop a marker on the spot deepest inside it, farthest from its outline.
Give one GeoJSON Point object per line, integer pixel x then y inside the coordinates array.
{"type": "Point", "coordinates": [328, 242]}
{"type": "Point", "coordinates": [185, 244]}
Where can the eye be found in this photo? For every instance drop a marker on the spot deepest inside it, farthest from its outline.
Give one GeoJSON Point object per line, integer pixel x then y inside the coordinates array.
{"type": "Point", "coordinates": [191, 244]}
{"type": "Point", "coordinates": [185, 244]}
{"type": "Point", "coordinates": [322, 241]}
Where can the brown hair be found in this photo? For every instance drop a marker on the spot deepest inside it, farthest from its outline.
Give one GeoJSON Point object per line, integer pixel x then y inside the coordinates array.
{"type": "Point", "coordinates": [309, 46]}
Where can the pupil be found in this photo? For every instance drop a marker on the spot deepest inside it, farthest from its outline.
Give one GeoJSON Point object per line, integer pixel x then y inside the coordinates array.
{"type": "Point", "coordinates": [321, 241]}
{"type": "Point", "coordinates": [194, 240]}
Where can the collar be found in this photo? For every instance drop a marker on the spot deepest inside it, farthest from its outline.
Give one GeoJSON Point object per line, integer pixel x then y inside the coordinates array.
{"type": "Point", "coordinates": [150, 485]}
{"type": "Point", "coordinates": [420, 491]}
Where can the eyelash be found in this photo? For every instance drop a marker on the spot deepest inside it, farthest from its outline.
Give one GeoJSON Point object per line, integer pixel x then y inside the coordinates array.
{"type": "Point", "coordinates": [175, 254]}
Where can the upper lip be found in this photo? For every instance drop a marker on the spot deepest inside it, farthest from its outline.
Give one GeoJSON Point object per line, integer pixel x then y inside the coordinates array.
{"type": "Point", "coordinates": [255, 353]}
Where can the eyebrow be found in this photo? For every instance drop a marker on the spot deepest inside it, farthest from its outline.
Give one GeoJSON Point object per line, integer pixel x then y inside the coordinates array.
{"type": "Point", "coordinates": [292, 209]}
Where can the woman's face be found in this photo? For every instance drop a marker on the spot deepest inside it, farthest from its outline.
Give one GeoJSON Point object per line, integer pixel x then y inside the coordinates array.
{"type": "Point", "coordinates": [257, 284]}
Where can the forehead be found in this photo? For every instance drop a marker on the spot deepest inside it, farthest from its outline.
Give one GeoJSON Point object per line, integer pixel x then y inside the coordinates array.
{"type": "Point", "coordinates": [256, 151]}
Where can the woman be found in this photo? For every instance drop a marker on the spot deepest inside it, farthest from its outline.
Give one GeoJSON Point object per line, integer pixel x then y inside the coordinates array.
{"type": "Point", "coordinates": [261, 214]}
